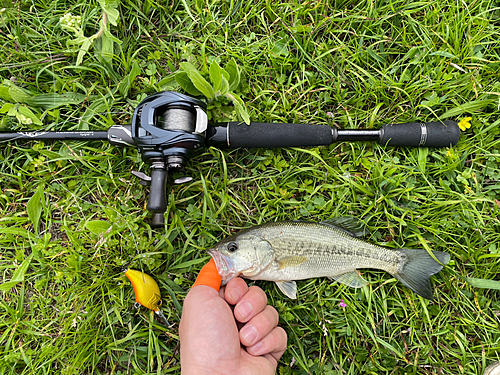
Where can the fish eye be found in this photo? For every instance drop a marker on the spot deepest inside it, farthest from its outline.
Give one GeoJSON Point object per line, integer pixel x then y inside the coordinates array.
{"type": "Point", "coordinates": [232, 247]}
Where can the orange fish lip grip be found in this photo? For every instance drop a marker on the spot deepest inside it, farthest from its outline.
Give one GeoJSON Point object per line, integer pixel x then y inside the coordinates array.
{"type": "Point", "coordinates": [209, 276]}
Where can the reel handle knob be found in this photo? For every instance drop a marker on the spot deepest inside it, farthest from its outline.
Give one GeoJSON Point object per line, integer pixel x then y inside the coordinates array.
{"type": "Point", "coordinates": [158, 220]}
{"type": "Point", "coordinates": [157, 202]}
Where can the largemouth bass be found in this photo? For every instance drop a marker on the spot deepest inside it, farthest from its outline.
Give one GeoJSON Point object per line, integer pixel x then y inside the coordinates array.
{"type": "Point", "coordinates": [293, 250]}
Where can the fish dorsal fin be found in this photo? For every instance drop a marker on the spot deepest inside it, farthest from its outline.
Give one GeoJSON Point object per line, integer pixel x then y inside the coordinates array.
{"type": "Point", "coordinates": [292, 261]}
{"type": "Point", "coordinates": [351, 225]}
{"type": "Point", "coordinates": [352, 279]}
{"type": "Point", "coordinates": [289, 288]}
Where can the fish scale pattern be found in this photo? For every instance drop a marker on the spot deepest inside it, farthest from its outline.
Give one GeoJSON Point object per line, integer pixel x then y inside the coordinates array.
{"type": "Point", "coordinates": [318, 250]}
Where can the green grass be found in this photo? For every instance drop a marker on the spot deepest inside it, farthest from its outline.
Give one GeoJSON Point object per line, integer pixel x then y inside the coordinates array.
{"type": "Point", "coordinates": [348, 64]}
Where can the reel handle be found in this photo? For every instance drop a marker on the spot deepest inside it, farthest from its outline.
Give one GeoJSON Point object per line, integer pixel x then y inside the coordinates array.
{"type": "Point", "coordinates": [157, 201]}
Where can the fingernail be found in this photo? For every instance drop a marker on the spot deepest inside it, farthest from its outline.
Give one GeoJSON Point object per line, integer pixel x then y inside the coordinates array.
{"type": "Point", "coordinates": [249, 334]}
{"type": "Point", "coordinates": [244, 309]}
{"type": "Point", "coordinates": [256, 348]}
{"type": "Point", "coordinates": [235, 294]}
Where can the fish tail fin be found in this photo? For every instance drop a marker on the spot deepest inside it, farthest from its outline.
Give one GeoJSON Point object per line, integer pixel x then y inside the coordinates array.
{"type": "Point", "coordinates": [418, 269]}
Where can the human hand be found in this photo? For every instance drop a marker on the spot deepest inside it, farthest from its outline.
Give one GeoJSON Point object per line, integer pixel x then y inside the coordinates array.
{"type": "Point", "coordinates": [219, 339]}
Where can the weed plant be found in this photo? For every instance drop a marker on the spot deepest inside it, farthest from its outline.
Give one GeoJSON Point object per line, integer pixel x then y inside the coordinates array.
{"type": "Point", "coordinates": [72, 216]}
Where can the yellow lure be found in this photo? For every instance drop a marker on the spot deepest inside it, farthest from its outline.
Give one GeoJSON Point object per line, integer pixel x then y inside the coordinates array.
{"type": "Point", "coordinates": [146, 290]}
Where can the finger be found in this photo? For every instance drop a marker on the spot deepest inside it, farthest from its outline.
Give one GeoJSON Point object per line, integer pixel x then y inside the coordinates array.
{"type": "Point", "coordinates": [271, 359]}
{"type": "Point", "coordinates": [259, 326]}
{"type": "Point", "coordinates": [273, 344]}
{"type": "Point", "coordinates": [222, 291]}
{"type": "Point", "coordinates": [235, 290]}
{"type": "Point", "coordinates": [209, 276]}
{"type": "Point", "coordinates": [252, 303]}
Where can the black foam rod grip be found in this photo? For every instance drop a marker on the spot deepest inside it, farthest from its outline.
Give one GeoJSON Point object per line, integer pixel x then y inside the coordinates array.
{"type": "Point", "coordinates": [421, 134]}
{"type": "Point", "coordinates": [264, 135]}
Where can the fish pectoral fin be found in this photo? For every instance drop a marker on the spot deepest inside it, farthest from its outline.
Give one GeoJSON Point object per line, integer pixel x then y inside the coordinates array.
{"type": "Point", "coordinates": [289, 288]}
{"type": "Point", "coordinates": [292, 261]}
{"type": "Point", "coordinates": [352, 279]}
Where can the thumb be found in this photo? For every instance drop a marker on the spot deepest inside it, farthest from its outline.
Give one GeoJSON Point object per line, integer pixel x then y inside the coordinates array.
{"type": "Point", "coordinates": [209, 276]}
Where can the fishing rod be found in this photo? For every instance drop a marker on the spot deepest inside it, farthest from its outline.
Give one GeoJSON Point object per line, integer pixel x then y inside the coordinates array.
{"type": "Point", "coordinates": [168, 126]}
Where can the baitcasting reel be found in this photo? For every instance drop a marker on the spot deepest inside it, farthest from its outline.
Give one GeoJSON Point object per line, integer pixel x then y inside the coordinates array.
{"type": "Point", "coordinates": [166, 128]}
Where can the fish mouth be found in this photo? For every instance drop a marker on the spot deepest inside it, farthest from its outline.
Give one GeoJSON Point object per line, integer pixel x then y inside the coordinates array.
{"type": "Point", "coordinates": [225, 267]}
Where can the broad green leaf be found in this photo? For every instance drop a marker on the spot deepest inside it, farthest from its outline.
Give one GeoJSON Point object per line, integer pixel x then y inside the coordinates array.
{"type": "Point", "coordinates": [98, 226]}
{"type": "Point", "coordinates": [188, 67]}
{"type": "Point", "coordinates": [483, 283]}
{"type": "Point", "coordinates": [25, 111]}
{"type": "Point", "coordinates": [234, 75]}
{"type": "Point", "coordinates": [34, 207]}
{"type": "Point", "coordinates": [113, 15]}
{"type": "Point", "coordinates": [53, 100]}
{"type": "Point", "coordinates": [4, 93]}
{"type": "Point", "coordinates": [280, 48]}
{"type": "Point", "coordinates": [423, 152]}
{"type": "Point", "coordinates": [51, 155]}
{"type": "Point", "coordinates": [17, 94]}
{"type": "Point", "coordinates": [77, 41]}
{"type": "Point", "coordinates": [224, 88]}
{"type": "Point", "coordinates": [110, 8]}
{"type": "Point", "coordinates": [83, 50]}
{"type": "Point", "coordinates": [18, 275]}
{"type": "Point", "coordinates": [216, 76]}
{"type": "Point", "coordinates": [183, 81]}
{"type": "Point", "coordinates": [201, 84]}
{"type": "Point", "coordinates": [225, 74]}
{"type": "Point", "coordinates": [469, 107]}
{"type": "Point", "coordinates": [12, 111]}
{"type": "Point", "coordinates": [107, 50]}
{"type": "Point", "coordinates": [240, 107]}
{"type": "Point", "coordinates": [6, 107]}
{"type": "Point", "coordinates": [111, 36]}
{"type": "Point", "coordinates": [5, 287]}
{"type": "Point", "coordinates": [168, 81]}
{"type": "Point", "coordinates": [127, 82]}
{"type": "Point", "coordinates": [97, 107]}
{"type": "Point", "coordinates": [198, 81]}
{"type": "Point", "coordinates": [16, 231]}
